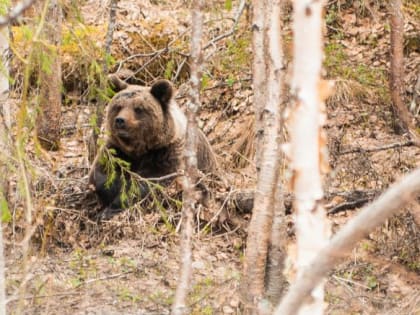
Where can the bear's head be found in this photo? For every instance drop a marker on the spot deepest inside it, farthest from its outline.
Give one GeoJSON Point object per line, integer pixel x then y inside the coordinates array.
{"type": "Point", "coordinates": [141, 119]}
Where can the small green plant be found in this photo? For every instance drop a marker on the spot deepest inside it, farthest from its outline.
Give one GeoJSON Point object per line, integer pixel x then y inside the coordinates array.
{"type": "Point", "coordinates": [4, 208]}
{"type": "Point", "coordinates": [84, 267]}
{"type": "Point", "coordinates": [371, 282]}
{"type": "Point", "coordinates": [125, 294]}
{"type": "Point", "coordinates": [127, 264]}
{"type": "Point", "coordinates": [4, 6]}
{"type": "Point", "coordinates": [163, 298]}
{"type": "Point", "coordinates": [207, 310]}
{"type": "Point", "coordinates": [205, 79]}
{"type": "Point", "coordinates": [170, 67]}
{"type": "Point", "coordinates": [131, 183]}
{"type": "Point", "coordinates": [113, 167]}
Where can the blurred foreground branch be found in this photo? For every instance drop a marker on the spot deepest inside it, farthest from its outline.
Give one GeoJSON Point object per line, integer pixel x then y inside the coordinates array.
{"type": "Point", "coordinates": [341, 244]}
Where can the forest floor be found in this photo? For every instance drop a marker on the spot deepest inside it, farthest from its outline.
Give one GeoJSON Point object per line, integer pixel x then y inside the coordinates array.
{"type": "Point", "coordinates": [130, 265]}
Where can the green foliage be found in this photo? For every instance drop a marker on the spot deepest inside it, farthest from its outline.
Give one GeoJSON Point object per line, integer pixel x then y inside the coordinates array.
{"type": "Point", "coordinates": [228, 5]}
{"type": "Point", "coordinates": [125, 294]}
{"type": "Point", "coordinates": [238, 51]}
{"type": "Point", "coordinates": [4, 5]}
{"type": "Point", "coordinates": [207, 310]}
{"type": "Point", "coordinates": [337, 66]}
{"type": "Point", "coordinates": [412, 7]}
{"type": "Point", "coordinates": [4, 208]}
{"type": "Point", "coordinates": [332, 18]}
{"type": "Point", "coordinates": [161, 297]}
{"type": "Point", "coordinates": [83, 266]}
{"type": "Point", "coordinates": [131, 183]}
{"type": "Point", "coordinates": [46, 59]}
{"type": "Point", "coordinates": [231, 62]}
{"type": "Point", "coordinates": [230, 81]}
{"type": "Point", "coordinates": [170, 67]}
{"type": "Point", "coordinates": [83, 61]}
{"type": "Point", "coordinates": [205, 79]}
{"type": "Point", "coordinates": [112, 165]}
{"type": "Point", "coordinates": [371, 282]}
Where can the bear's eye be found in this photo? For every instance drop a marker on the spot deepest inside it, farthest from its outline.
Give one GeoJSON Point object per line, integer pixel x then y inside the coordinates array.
{"type": "Point", "coordinates": [117, 108]}
{"type": "Point", "coordinates": [139, 110]}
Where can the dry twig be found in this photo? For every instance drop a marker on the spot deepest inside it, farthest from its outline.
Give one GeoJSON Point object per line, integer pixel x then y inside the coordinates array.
{"type": "Point", "coordinates": [384, 147]}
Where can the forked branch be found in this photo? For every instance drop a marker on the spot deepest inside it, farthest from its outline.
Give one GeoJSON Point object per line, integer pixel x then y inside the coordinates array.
{"type": "Point", "coordinates": [395, 198]}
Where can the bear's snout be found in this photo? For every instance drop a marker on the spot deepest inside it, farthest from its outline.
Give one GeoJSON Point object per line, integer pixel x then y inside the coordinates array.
{"type": "Point", "coordinates": [120, 123]}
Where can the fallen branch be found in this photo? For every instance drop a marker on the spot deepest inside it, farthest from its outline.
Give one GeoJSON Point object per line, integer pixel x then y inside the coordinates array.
{"type": "Point", "coordinates": [30, 297]}
{"type": "Point", "coordinates": [114, 276]}
{"type": "Point", "coordinates": [243, 200]}
{"type": "Point", "coordinates": [395, 198]}
{"type": "Point", "coordinates": [349, 205]}
{"type": "Point", "coordinates": [385, 147]}
{"type": "Point", "coordinates": [354, 199]}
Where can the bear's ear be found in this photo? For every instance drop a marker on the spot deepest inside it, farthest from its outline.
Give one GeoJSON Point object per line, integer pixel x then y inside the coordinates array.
{"type": "Point", "coordinates": [117, 83]}
{"type": "Point", "coordinates": [162, 90]}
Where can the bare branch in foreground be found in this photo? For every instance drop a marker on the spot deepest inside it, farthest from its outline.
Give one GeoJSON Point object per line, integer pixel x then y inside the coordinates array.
{"type": "Point", "coordinates": [179, 306]}
{"type": "Point", "coordinates": [341, 244]}
{"type": "Point", "coordinates": [15, 12]}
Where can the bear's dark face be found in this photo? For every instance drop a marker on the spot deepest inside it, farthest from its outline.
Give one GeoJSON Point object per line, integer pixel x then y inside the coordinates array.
{"type": "Point", "coordinates": [138, 118]}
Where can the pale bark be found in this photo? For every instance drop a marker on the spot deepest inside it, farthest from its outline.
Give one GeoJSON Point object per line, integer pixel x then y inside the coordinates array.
{"type": "Point", "coordinates": [5, 122]}
{"type": "Point", "coordinates": [267, 97]}
{"type": "Point", "coordinates": [307, 147]}
{"type": "Point", "coordinates": [258, 73]}
{"type": "Point", "coordinates": [49, 116]}
{"type": "Point", "coordinates": [190, 163]}
{"type": "Point", "coordinates": [393, 200]}
{"type": "Point", "coordinates": [276, 283]}
{"type": "Point", "coordinates": [397, 71]}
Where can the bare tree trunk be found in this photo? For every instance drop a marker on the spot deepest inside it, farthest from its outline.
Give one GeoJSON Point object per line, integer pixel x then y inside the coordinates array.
{"type": "Point", "coordinates": [393, 200]}
{"type": "Point", "coordinates": [5, 116]}
{"type": "Point", "coordinates": [48, 118]}
{"type": "Point", "coordinates": [190, 164]}
{"type": "Point", "coordinates": [308, 142]}
{"type": "Point", "coordinates": [397, 71]}
{"type": "Point", "coordinates": [258, 74]}
{"type": "Point", "coordinates": [268, 67]}
{"type": "Point", "coordinates": [276, 282]}
{"type": "Point", "coordinates": [5, 122]}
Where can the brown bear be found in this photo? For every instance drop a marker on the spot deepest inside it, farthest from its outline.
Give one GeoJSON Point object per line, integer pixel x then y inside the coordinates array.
{"type": "Point", "coordinates": [146, 130]}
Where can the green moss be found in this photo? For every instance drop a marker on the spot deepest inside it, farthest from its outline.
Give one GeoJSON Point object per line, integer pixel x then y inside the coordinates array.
{"type": "Point", "coordinates": [338, 67]}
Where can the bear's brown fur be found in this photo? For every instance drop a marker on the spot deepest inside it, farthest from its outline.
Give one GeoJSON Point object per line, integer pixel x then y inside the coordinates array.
{"type": "Point", "coordinates": [145, 128]}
